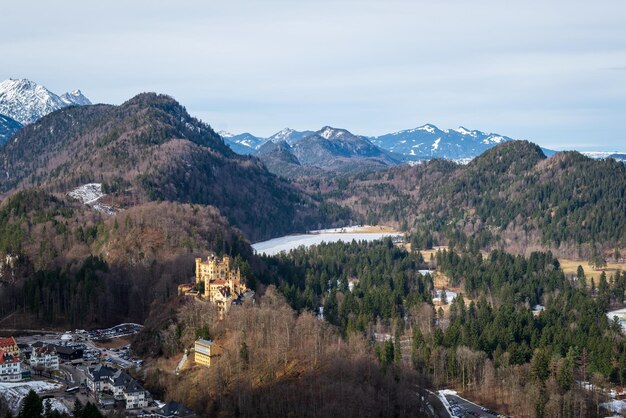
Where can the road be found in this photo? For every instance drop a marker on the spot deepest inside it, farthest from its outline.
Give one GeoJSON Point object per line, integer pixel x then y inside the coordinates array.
{"type": "Point", "coordinates": [468, 407]}
{"type": "Point", "coordinates": [434, 406]}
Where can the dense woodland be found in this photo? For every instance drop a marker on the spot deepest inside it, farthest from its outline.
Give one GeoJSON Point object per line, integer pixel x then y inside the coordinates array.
{"type": "Point", "coordinates": [276, 362]}
{"type": "Point", "coordinates": [492, 334]}
{"type": "Point", "coordinates": [510, 197]}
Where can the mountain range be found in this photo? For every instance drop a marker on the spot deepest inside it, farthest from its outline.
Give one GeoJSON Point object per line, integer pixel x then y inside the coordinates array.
{"type": "Point", "coordinates": [150, 149]}
{"type": "Point", "coordinates": [422, 143]}
{"type": "Point", "coordinates": [26, 101]}
{"type": "Point", "coordinates": [428, 141]}
{"type": "Point", "coordinates": [327, 150]}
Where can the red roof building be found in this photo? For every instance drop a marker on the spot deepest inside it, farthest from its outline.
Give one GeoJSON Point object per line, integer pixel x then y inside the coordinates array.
{"type": "Point", "coordinates": [9, 345]}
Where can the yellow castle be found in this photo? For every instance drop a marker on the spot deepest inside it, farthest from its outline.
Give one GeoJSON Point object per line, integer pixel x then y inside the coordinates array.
{"type": "Point", "coordinates": [219, 278]}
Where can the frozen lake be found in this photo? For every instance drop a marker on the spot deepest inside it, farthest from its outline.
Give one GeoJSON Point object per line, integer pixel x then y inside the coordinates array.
{"type": "Point", "coordinates": [289, 242]}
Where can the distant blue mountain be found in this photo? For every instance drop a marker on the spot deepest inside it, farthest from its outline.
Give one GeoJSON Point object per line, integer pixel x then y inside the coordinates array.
{"type": "Point", "coordinates": [244, 143]}
{"type": "Point", "coordinates": [422, 143]}
{"type": "Point", "coordinates": [428, 141]}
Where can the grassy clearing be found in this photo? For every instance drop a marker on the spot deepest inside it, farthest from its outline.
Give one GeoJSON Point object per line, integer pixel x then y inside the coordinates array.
{"type": "Point", "coordinates": [570, 266]}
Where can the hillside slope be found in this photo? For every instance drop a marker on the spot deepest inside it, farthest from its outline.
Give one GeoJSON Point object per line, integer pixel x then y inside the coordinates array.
{"type": "Point", "coordinates": [8, 127]}
{"type": "Point", "coordinates": [150, 149]}
{"type": "Point", "coordinates": [511, 194]}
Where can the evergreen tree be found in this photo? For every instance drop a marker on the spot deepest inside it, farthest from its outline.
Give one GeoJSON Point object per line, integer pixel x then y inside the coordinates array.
{"type": "Point", "coordinates": [32, 406]}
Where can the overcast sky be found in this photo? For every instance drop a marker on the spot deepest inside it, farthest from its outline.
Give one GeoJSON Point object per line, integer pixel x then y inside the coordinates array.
{"type": "Point", "coordinates": [551, 71]}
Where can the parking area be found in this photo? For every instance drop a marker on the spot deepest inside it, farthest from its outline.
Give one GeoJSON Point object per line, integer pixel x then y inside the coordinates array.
{"type": "Point", "coordinates": [463, 408]}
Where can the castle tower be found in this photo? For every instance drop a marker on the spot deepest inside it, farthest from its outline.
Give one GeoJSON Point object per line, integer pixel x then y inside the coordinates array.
{"type": "Point", "coordinates": [198, 271]}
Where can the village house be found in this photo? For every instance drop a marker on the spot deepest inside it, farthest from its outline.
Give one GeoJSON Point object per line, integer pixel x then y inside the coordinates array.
{"type": "Point", "coordinates": [44, 358]}
{"type": "Point", "coordinates": [10, 367]}
{"type": "Point", "coordinates": [107, 382]}
{"type": "Point", "coordinates": [65, 352]}
{"type": "Point", "coordinates": [172, 410]}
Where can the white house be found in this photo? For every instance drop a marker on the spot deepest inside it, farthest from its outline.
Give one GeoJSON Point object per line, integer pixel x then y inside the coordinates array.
{"type": "Point", "coordinates": [10, 367]}
{"type": "Point", "coordinates": [45, 358]}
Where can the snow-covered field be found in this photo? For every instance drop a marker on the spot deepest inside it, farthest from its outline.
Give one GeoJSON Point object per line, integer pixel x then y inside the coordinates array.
{"type": "Point", "coordinates": [290, 242]}
{"type": "Point", "coordinates": [450, 295]}
{"type": "Point", "coordinates": [14, 392]}
{"type": "Point", "coordinates": [89, 194]}
{"type": "Point", "coordinates": [348, 229]}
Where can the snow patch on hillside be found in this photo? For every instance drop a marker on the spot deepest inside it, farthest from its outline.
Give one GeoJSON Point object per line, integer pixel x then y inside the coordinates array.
{"type": "Point", "coordinates": [89, 194]}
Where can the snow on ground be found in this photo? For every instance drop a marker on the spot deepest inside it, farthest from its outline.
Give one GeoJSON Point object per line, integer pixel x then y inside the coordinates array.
{"type": "Point", "coordinates": [441, 394]}
{"type": "Point", "coordinates": [14, 392]}
{"type": "Point", "coordinates": [290, 242]}
{"type": "Point", "coordinates": [463, 161]}
{"type": "Point", "coordinates": [345, 229]}
{"type": "Point", "coordinates": [621, 316]}
{"type": "Point", "coordinates": [89, 194]}
{"type": "Point", "coordinates": [58, 405]}
{"type": "Point", "coordinates": [450, 295]}
{"type": "Point", "coordinates": [615, 406]}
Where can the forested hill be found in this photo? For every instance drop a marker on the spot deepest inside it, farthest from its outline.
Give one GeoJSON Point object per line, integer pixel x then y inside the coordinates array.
{"type": "Point", "coordinates": [151, 149]}
{"type": "Point", "coordinates": [73, 266]}
{"type": "Point", "coordinates": [511, 194]}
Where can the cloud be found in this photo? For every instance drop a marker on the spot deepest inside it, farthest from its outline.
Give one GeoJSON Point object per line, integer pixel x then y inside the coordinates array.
{"type": "Point", "coordinates": [524, 69]}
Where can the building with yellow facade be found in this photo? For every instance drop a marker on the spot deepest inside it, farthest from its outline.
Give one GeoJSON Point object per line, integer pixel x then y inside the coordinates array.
{"type": "Point", "coordinates": [204, 352]}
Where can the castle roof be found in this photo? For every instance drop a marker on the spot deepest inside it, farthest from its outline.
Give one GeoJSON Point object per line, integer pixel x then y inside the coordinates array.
{"type": "Point", "coordinates": [48, 349]}
{"type": "Point", "coordinates": [7, 342]}
{"type": "Point", "coordinates": [174, 409]}
{"type": "Point", "coordinates": [6, 358]}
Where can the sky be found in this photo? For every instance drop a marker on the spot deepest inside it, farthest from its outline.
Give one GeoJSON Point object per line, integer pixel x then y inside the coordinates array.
{"type": "Point", "coordinates": [553, 72]}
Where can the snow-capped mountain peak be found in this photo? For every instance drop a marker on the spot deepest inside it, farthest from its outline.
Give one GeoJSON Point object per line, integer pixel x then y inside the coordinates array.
{"type": "Point", "coordinates": [76, 98]}
{"type": "Point", "coordinates": [281, 135]}
{"type": "Point", "coordinates": [428, 141]}
{"type": "Point", "coordinates": [26, 101]}
{"type": "Point", "coordinates": [291, 136]}
{"type": "Point", "coordinates": [464, 131]}
{"type": "Point", "coordinates": [428, 128]}
{"type": "Point", "coordinates": [328, 132]}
